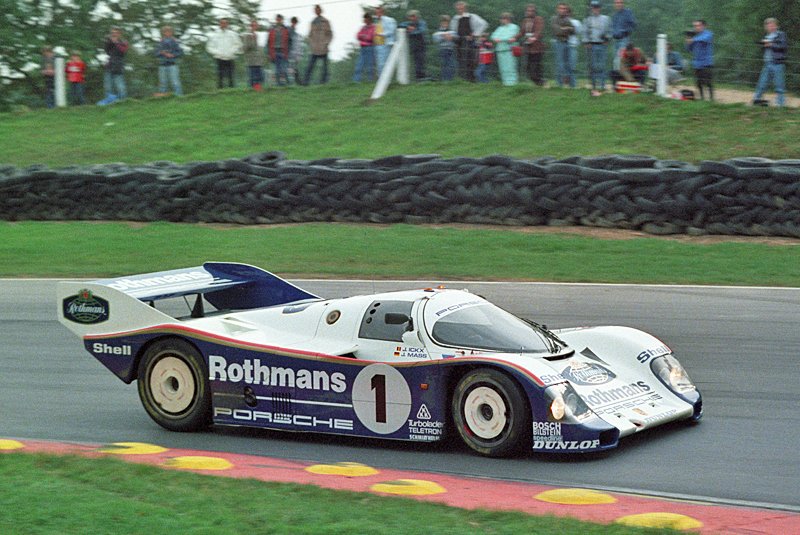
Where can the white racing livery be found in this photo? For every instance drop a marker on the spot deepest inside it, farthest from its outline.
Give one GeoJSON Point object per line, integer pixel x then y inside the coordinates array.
{"type": "Point", "coordinates": [255, 350]}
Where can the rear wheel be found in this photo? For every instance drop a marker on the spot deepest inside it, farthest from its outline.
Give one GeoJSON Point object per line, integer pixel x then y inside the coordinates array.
{"type": "Point", "coordinates": [173, 387]}
{"type": "Point", "coordinates": [491, 413]}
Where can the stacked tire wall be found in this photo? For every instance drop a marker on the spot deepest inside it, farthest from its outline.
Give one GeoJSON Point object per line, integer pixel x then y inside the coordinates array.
{"type": "Point", "coordinates": [741, 196]}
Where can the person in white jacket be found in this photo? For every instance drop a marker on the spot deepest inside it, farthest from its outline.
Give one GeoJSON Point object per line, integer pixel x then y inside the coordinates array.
{"type": "Point", "coordinates": [224, 45]}
{"type": "Point", "coordinates": [468, 27]}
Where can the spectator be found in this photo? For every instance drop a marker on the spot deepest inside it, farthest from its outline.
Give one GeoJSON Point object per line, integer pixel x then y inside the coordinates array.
{"type": "Point", "coordinates": [49, 76]}
{"type": "Point", "coordinates": [224, 45]}
{"type": "Point", "coordinates": [596, 35]}
{"type": "Point", "coordinates": [76, 76]}
{"type": "Point", "coordinates": [622, 25]}
{"type": "Point", "coordinates": [296, 50]}
{"type": "Point", "coordinates": [674, 60]}
{"type": "Point", "coordinates": [775, 45]}
{"type": "Point", "coordinates": [366, 56]}
{"type": "Point", "coordinates": [114, 75]}
{"type": "Point", "coordinates": [168, 51]}
{"type": "Point", "coordinates": [417, 31]}
{"type": "Point", "coordinates": [674, 69]}
{"type": "Point", "coordinates": [562, 28]}
{"type": "Point", "coordinates": [504, 38]}
{"type": "Point", "coordinates": [574, 42]}
{"type": "Point", "coordinates": [468, 27]}
{"type": "Point", "coordinates": [531, 33]}
{"type": "Point", "coordinates": [319, 39]}
{"type": "Point", "coordinates": [385, 30]}
{"type": "Point", "coordinates": [632, 64]}
{"type": "Point", "coordinates": [446, 39]}
{"type": "Point", "coordinates": [485, 58]}
{"type": "Point", "coordinates": [253, 57]}
{"type": "Point", "coordinates": [701, 45]}
{"type": "Point", "coordinates": [278, 45]}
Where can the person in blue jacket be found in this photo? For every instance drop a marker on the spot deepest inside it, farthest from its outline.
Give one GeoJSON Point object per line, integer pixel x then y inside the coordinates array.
{"type": "Point", "coordinates": [168, 50]}
{"type": "Point", "coordinates": [701, 45]}
{"type": "Point", "coordinates": [774, 44]}
{"type": "Point", "coordinates": [622, 25]}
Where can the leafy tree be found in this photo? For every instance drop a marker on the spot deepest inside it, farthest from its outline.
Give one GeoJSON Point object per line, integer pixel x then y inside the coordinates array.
{"type": "Point", "coordinates": [27, 25]}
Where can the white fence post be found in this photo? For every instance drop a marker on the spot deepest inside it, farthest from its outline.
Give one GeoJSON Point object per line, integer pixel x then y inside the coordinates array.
{"type": "Point", "coordinates": [661, 58]}
{"type": "Point", "coordinates": [397, 62]}
{"type": "Point", "coordinates": [60, 82]}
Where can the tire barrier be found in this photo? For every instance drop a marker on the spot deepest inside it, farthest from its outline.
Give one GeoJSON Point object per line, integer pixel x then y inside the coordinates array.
{"type": "Point", "coordinates": [741, 196]}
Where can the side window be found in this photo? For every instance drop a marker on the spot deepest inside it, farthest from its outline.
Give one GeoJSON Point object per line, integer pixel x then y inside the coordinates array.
{"type": "Point", "coordinates": [374, 326]}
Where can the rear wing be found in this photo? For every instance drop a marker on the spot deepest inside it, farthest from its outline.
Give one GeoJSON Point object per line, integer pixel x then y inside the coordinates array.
{"type": "Point", "coordinates": [127, 303]}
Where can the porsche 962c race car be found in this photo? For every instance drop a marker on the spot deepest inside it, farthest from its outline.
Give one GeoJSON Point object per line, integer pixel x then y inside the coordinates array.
{"type": "Point", "coordinates": [255, 350]}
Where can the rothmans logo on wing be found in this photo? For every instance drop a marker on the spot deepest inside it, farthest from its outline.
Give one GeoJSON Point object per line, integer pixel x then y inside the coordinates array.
{"type": "Point", "coordinates": [587, 373]}
{"type": "Point", "coordinates": [85, 308]}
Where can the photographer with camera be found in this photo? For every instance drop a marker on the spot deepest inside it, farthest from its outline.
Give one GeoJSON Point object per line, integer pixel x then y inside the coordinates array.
{"type": "Point", "coordinates": [774, 44]}
{"type": "Point", "coordinates": [700, 42]}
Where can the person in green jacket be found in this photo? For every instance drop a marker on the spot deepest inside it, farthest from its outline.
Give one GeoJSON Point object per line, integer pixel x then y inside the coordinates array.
{"type": "Point", "coordinates": [505, 37]}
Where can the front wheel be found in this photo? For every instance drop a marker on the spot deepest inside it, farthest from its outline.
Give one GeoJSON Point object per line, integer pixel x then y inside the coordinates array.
{"type": "Point", "coordinates": [173, 387]}
{"type": "Point", "coordinates": [491, 413]}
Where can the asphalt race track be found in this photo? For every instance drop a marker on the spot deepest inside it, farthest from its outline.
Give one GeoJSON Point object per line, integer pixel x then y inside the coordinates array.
{"type": "Point", "coordinates": [740, 345]}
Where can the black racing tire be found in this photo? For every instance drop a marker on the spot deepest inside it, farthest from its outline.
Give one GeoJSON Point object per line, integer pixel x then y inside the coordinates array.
{"type": "Point", "coordinates": [173, 386]}
{"type": "Point", "coordinates": [490, 413]}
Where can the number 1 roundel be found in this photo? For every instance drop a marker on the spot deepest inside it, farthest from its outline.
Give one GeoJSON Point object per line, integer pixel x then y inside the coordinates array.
{"type": "Point", "coordinates": [381, 398]}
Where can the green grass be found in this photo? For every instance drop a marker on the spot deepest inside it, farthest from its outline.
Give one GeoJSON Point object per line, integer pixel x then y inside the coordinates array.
{"type": "Point", "coordinates": [454, 120]}
{"type": "Point", "coordinates": [397, 251]}
{"type": "Point", "coordinates": [41, 494]}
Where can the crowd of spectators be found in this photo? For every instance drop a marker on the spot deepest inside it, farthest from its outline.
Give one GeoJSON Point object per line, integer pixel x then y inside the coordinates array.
{"type": "Point", "coordinates": [466, 47]}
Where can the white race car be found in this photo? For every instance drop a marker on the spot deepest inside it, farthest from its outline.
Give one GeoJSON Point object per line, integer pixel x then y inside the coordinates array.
{"type": "Point", "coordinates": [255, 350]}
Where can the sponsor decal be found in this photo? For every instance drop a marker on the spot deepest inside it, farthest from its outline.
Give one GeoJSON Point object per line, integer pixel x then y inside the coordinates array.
{"type": "Point", "coordinates": [547, 429]}
{"type": "Point", "coordinates": [252, 372]}
{"type": "Point", "coordinates": [587, 373]}
{"type": "Point", "coordinates": [423, 413]}
{"type": "Point", "coordinates": [105, 349]}
{"type": "Point", "coordinates": [547, 432]}
{"type": "Point", "coordinates": [566, 444]}
{"type": "Point", "coordinates": [299, 420]}
{"type": "Point", "coordinates": [423, 438]}
{"type": "Point", "coordinates": [430, 429]}
{"type": "Point", "coordinates": [163, 280]}
{"type": "Point", "coordinates": [85, 307]}
{"type": "Point", "coordinates": [668, 415]}
{"type": "Point", "coordinates": [552, 378]}
{"type": "Point", "coordinates": [410, 352]}
{"type": "Point", "coordinates": [457, 306]}
{"type": "Point", "coordinates": [647, 354]}
{"type": "Point", "coordinates": [599, 397]}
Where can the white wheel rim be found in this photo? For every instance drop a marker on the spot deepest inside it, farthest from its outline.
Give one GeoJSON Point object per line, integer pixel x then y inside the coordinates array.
{"type": "Point", "coordinates": [172, 385]}
{"type": "Point", "coordinates": [485, 412]}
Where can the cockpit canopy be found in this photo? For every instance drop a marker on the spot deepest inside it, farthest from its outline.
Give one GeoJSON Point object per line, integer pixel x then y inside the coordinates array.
{"type": "Point", "coordinates": [458, 319]}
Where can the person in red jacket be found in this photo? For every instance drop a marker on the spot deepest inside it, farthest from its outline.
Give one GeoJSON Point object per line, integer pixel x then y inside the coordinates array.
{"type": "Point", "coordinates": [278, 45]}
{"type": "Point", "coordinates": [76, 76]}
{"type": "Point", "coordinates": [366, 56]}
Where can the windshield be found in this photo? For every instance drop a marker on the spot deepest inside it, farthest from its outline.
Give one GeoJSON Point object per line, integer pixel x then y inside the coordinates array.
{"type": "Point", "coordinates": [485, 326]}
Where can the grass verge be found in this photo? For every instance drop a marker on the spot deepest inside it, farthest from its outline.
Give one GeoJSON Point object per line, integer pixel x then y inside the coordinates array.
{"type": "Point", "coordinates": [84, 249]}
{"type": "Point", "coordinates": [46, 494]}
{"type": "Point", "coordinates": [458, 119]}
